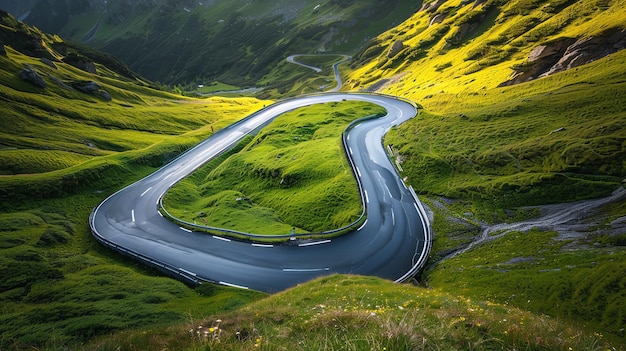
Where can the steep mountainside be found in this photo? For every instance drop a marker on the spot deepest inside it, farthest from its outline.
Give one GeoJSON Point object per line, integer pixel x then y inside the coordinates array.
{"type": "Point", "coordinates": [502, 124]}
{"type": "Point", "coordinates": [237, 42]}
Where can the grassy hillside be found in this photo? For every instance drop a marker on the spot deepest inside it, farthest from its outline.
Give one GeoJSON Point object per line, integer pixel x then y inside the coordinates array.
{"type": "Point", "coordinates": [554, 139]}
{"type": "Point", "coordinates": [62, 151]}
{"type": "Point", "coordinates": [480, 150]}
{"type": "Point", "coordinates": [235, 42]}
{"type": "Point", "coordinates": [492, 148]}
{"type": "Point", "coordinates": [361, 313]}
{"type": "Point", "coordinates": [294, 173]}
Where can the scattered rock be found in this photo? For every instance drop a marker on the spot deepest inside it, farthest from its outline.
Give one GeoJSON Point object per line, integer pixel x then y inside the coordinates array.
{"type": "Point", "coordinates": [88, 87]}
{"type": "Point", "coordinates": [48, 62]}
{"type": "Point", "coordinates": [557, 130]}
{"type": "Point", "coordinates": [60, 83]}
{"type": "Point", "coordinates": [396, 47]}
{"type": "Point", "coordinates": [80, 62]}
{"type": "Point", "coordinates": [515, 260]}
{"type": "Point", "coordinates": [3, 52]}
{"type": "Point", "coordinates": [91, 87]}
{"type": "Point", "coordinates": [478, 3]}
{"type": "Point", "coordinates": [28, 74]}
{"type": "Point", "coordinates": [104, 95]}
{"type": "Point", "coordinates": [567, 53]}
{"type": "Point", "coordinates": [433, 6]}
{"type": "Point", "coordinates": [438, 18]}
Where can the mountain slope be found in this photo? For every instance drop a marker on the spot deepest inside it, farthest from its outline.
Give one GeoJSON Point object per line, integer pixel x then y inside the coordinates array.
{"type": "Point", "coordinates": [556, 138]}
{"type": "Point", "coordinates": [524, 104]}
{"type": "Point", "coordinates": [62, 151]}
{"type": "Point", "coordinates": [237, 42]}
{"type": "Point", "coordinates": [59, 288]}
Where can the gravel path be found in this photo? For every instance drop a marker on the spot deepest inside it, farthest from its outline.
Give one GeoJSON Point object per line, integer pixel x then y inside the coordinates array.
{"type": "Point", "coordinates": [571, 220]}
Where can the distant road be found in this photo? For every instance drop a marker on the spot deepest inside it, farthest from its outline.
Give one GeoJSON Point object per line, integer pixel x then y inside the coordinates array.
{"type": "Point", "coordinates": [292, 59]}
{"type": "Point", "coordinates": [393, 243]}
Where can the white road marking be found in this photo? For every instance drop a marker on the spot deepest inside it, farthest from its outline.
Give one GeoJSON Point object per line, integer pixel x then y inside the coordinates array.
{"type": "Point", "coordinates": [234, 285]}
{"type": "Point", "coordinates": [393, 218]}
{"type": "Point", "coordinates": [350, 151]}
{"type": "Point", "coordinates": [262, 245]}
{"type": "Point", "coordinates": [367, 200]}
{"type": "Point", "coordinates": [361, 227]}
{"type": "Point", "coordinates": [315, 243]}
{"type": "Point", "coordinates": [185, 229]}
{"type": "Point", "coordinates": [358, 171]}
{"type": "Point", "coordinates": [186, 271]}
{"type": "Point", "coordinates": [305, 269]}
{"type": "Point", "coordinates": [416, 208]}
{"type": "Point", "coordinates": [220, 238]}
{"type": "Point", "coordinates": [160, 214]}
{"type": "Point", "coordinates": [167, 176]}
{"type": "Point", "coordinates": [144, 193]}
{"type": "Point", "coordinates": [132, 215]}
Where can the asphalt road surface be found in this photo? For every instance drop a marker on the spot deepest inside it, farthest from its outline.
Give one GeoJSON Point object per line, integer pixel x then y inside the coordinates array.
{"type": "Point", "coordinates": [393, 243]}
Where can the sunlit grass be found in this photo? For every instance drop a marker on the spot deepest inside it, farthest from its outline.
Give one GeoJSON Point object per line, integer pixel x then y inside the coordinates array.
{"type": "Point", "coordinates": [360, 313]}
{"type": "Point", "coordinates": [294, 173]}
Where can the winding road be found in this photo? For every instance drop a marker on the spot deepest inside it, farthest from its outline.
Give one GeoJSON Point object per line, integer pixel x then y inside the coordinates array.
{"type": "Point", "coordinates": [393, 243]}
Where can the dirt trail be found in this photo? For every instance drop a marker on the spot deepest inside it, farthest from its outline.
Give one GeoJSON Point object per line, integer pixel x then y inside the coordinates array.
{"type": "Point", "coordinates": [570, 220]}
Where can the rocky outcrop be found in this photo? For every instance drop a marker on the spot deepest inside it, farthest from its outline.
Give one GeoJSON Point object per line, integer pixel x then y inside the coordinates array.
{"type": "Point", "coordinates": [566, 53]}
{"type": "Point", "coordinates": [93, 88]}
{"type": "Point", "coordinates": [30, 75]}
{"type": "Point", "coordinates": [395, 48]}
{"type": "Point", "coordinates": [80, 62]}
{"type": "Point", "coordinates": [587, 50]}
{"type": "Point", "coordinates": [48, 63]}
{"type": "Point", "coordinates": [478, 3]}
{"type": "Point", "coordinates": [438, 18]}
{"type": "Point", "coordinates": [432, 6]}
{"type": "Point", "coordinates": [86, 86]}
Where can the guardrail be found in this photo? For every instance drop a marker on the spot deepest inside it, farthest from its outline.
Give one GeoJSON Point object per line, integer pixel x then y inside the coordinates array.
{"type": "Point", "coordinates": [291, 236]}
{"type": "Point", "coordinates": [261, 238]}
{"type": "Point", "coordinates": [172, 271]}
{"type": "Point", "coordinates": [428, 240]}
{"type": "Point", "coordinates": [192, 278]}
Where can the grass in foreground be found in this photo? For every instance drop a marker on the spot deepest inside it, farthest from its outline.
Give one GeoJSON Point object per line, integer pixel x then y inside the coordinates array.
{"type": "Point", "coordinates": [294, 173]}
{"type": "Point", "coordinates": [360, 313]}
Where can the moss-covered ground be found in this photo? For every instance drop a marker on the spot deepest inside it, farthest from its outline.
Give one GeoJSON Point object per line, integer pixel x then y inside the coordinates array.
{"type": "Point", "coordinates": [294, 173]}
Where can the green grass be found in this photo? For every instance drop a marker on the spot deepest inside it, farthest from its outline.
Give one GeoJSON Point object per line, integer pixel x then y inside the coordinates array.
{"type": "Point", "coordinates": [361, 313]}
{"type": "Point", "coordinates": [554, 139]}
{"type": "Point", "coordinates": [63, 152]}
{"type": "Point", "coordinates": [216, 86]}
{"type": "Point", "coordinates": [294, 173]}
{"type": "Point", "coordinates": [583, 285]}
{"type": "Point", "coordinates": [237, 42]}
{"type": "Point", "coordinates": [490, 150]}
{"type": "Point", "coordinates": [60, 288]}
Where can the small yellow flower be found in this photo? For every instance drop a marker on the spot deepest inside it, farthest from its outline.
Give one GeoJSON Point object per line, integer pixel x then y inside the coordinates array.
{"type": "Point", "coordinates": [211, 330]}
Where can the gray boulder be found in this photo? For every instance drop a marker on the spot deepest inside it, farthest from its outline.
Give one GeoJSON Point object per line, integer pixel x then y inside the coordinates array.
{"type": "Point", "coordinates": [93, 88]}
{"type": "Point", "coordinates": [30, 75]}
{"type": "Point", "coordinates": [87, 86]}
{"type": "Point", "coordinates": [396, 47]}
{"type": "Point", "coordinates": [48, 62]}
